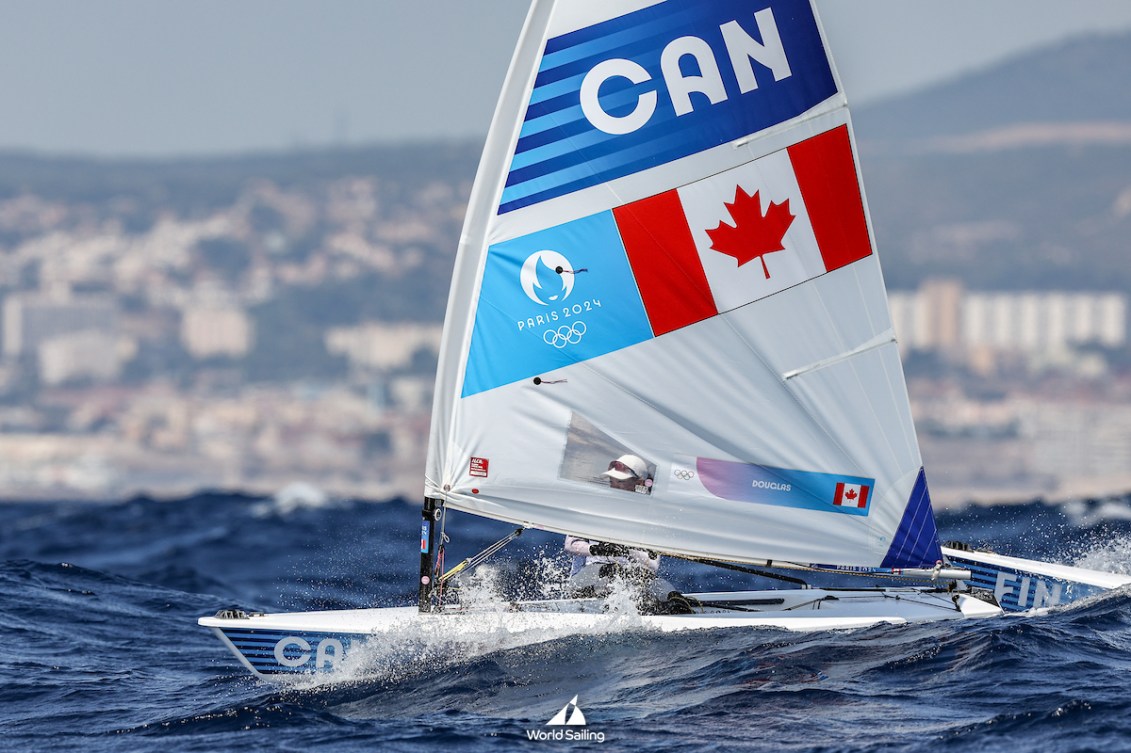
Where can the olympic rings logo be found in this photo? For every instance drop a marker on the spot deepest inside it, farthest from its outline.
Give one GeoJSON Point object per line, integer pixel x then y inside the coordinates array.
{"type": "Point", "coordinates": [683, 474]}
{"type": "Point", "coordinates": [565, 335]}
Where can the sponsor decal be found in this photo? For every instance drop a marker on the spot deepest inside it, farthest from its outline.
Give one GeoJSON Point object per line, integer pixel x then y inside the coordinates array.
{"type": "Point", "coordinates": [425, 527]}
{"type": "Point", "coordinates": [663, 83]}
{"type": "Point", "coordinates": [569, 724]}
{"type": "Point", "coordinates": [479, 467]}
{"type": "Point", "coordinates": [567, 334]}
{"type": "Point", "coordinates": [601, 283]}
{"type": "Point", "coordinates": [547, 277]}
{"type": "Point", "coordinates": [749, 482]}
{"type": "Point", "coordinates": [1044, 593]}
{"type": "Point", "coordinates": [680, 473]}
{"type": "Point", "coordinates": [532, 319]}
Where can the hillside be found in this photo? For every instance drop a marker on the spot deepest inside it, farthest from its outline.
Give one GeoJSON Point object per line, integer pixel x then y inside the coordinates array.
{"type": "Point", "coordinates": [1080, 80]}
{"type": "Point", "coordinates": [1018, 176]}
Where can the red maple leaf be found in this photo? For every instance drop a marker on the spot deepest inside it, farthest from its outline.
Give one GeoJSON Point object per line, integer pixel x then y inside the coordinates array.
{"type": "Point", "coordinates": [753, 234]}
{"type": "Point", "coordinates": [850, 494]}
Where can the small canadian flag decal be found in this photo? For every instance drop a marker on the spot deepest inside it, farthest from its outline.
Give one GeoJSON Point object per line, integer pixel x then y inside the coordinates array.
{"type": "Point", "coordinates": [851, 495]}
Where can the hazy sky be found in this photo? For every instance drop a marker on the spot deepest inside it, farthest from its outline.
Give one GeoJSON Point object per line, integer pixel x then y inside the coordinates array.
{"type": "Point", "coordinates": [158, 77]}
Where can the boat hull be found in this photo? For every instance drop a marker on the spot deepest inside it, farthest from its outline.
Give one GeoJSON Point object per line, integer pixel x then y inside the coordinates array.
{"type": "Point", "coordinates": [352, 642]}
{"type": "Point", "coordinates": [1020, 585]}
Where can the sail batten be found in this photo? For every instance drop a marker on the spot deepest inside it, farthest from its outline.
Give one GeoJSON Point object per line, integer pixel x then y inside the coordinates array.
{"type": "Point", "coordinates": [668, 257]}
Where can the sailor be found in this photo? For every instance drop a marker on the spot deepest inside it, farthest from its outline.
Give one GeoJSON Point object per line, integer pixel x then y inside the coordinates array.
{"type": "Point", "coordinates": [596, 564]}
{"type": "Point", "coordinates": [608, 559]}
{"type": "Point", "coordinates": [629, 473]}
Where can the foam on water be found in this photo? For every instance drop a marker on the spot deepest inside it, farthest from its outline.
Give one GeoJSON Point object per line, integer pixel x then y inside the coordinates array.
{"type": "Point", "coordinates": [1087, 513]}
{"type": "Point", "coordinates": [1109, 556]}
{"type": "Point", "coordinates": [486, 625]}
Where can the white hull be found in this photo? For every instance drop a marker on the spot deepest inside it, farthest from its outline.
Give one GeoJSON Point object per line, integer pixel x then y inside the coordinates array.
{"type": "Point", "coordinates": [354, 643]}
{"type": "Point", "coordinates": [348, 641]}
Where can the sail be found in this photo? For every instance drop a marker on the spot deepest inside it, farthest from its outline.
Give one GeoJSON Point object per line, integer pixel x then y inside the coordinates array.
{"type": "Point", "coordinates": [668, 325]}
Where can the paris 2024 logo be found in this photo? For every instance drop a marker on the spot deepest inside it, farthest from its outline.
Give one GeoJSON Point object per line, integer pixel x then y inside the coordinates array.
{"type": "Point", "coordinates": [547, 278]}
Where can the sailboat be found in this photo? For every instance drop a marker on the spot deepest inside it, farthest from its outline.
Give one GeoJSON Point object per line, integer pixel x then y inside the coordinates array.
{"type": "Point", "coordinates": [667, 276]}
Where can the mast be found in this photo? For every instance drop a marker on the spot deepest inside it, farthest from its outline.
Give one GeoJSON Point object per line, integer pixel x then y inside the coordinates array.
{"type": "Point", "coordinates": [430, 515]}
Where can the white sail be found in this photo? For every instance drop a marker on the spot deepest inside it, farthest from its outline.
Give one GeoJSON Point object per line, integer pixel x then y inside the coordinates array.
{"type": "Point", "coordinates": [667, 260]}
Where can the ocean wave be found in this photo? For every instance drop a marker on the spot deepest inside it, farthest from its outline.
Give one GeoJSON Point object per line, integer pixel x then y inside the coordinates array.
{"type": "Point", "coordinates": [98, 605]}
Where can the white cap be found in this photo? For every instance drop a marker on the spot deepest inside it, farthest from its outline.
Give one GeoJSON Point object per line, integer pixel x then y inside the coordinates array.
{"type": "Point", "coordinates": [636, 468]}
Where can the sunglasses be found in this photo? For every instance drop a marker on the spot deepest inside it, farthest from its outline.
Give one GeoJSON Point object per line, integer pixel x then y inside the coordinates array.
{"type": "Point", "coordinates": [616, 465]}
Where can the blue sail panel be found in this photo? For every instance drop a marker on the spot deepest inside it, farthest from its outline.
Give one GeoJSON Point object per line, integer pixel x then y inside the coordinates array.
{"type": "Point", "coordinates": [916, 542]}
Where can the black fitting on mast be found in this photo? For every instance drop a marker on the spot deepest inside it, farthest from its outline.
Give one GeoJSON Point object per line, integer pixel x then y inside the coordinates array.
{"type": "Point", "coordinates": [430, 516]}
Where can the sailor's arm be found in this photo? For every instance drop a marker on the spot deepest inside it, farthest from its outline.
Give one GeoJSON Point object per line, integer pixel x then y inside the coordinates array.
{"type": "Point", "coordinates": [646, 558]}
{"type": "Point", "coordinates": [576, 546]}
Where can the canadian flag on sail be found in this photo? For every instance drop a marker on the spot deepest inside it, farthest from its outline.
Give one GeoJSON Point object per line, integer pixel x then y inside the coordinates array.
{"type": "Point", "coordinates": [746, 233]}
{"type": "Point", "coordinates": [851, 495]}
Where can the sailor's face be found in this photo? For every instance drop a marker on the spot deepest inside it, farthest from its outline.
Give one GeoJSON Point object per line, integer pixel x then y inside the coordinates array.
{"type": "Point", "coordinates": [626, 484]}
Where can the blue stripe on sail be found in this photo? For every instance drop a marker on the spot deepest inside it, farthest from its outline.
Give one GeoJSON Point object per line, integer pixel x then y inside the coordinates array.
{"type": "Point", "coordinates": [555, 149]}
{"type": "Point", "coordinates": [560, 170]}
{"type": "Point", "coordinates": [549, 92]}
{"type": "Point", "coordinates": [549, 129]}
{"type": "Point", "coordinates": [573, 154]}
{"type": "Point", "coordinates": [518, 197]}
{"type": "Point", "coordinates": [591, 40]}
{"type": "Point", "coordinates": [579, 66]}
{"type": "Point", "coordinates": [567, 109]}
{"type": "Point", "coordinates": [916, 541]}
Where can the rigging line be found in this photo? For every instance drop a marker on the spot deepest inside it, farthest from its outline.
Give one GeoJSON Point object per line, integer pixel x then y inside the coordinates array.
{"type": "Point", "coordinates": [741, 569]}
{"type": "Point", "coordinates": [946, 606]}
{"type": "Point", "coordinates": [804, 604]}
{"type": "Point", "coordinates": [478, 559]}
{"type": "Point", "coordinates": [438, 567]}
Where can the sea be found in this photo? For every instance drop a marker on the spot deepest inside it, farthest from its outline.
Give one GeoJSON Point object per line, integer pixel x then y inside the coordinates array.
{"type": "Point", "coordinates": [99, 603]}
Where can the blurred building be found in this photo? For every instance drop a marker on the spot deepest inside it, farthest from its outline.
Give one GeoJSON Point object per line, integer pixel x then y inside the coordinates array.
{"type": "Point", "coordinates": [87, 355]}
{"type": "Point", "coordinates": [942, 316]}
{"type": "Point", "coordinates": [30, 320]}
{"type": "Point", "coordinates": [69, 337]}
{"type": "Point", "coordinates": [383, 346]}
{"type": "Point", "coordinates": [208, 332]}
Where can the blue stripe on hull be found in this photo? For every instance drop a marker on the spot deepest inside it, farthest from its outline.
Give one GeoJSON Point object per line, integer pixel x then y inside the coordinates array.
{"type": "Point", "coordinates": [279, 652]}
{"type": "Point", "coordinates": [1020, 590]}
